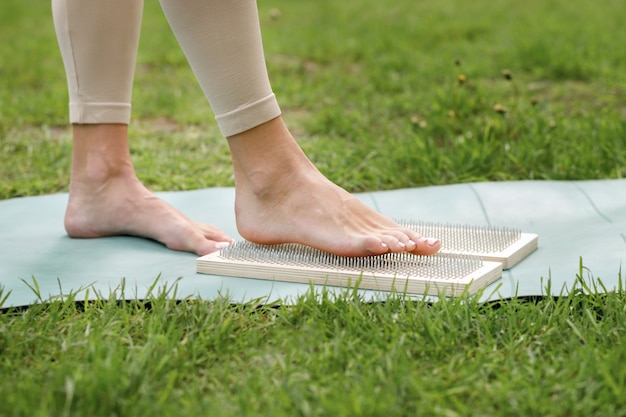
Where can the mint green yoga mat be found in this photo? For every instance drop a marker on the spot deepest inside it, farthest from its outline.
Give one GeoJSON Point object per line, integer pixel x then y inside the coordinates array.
{"type": "Point", "coordinates": [574, 220]}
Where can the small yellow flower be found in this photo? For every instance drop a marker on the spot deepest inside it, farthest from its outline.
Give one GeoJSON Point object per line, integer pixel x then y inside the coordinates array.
{"type": "Point", "coordinates": [499, 108]}
{"type": "Point", "coordinates": [417, 121]}
{"type": "Point", "coordinates": [275, 14]}
{"type": "Point", "coordinates": [461, 78]}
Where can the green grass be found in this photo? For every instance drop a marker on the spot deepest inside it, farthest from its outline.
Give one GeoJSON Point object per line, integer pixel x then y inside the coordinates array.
{"type": "Point", "coordinates": [381, 95]}
{"type": "Point", "coordinates": [327, 355]}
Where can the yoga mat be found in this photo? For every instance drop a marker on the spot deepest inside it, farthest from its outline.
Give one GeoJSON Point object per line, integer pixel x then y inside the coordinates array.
{"type": "Point", "coordinates": [573, 219]}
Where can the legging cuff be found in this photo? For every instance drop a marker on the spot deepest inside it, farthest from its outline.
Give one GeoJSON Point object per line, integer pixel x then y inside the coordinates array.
{"type": "Point", "coordinates": [94, 113]}
{"type": "Point", "coordinates": [248, 116]}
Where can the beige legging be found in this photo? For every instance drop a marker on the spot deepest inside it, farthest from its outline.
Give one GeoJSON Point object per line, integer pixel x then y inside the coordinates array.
{"type": "Point", "coordinates": [221, 39]}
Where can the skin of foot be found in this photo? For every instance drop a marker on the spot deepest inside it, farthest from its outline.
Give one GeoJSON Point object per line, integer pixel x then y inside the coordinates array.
{"type": "Point", "coordinates": [281, 197]}
{"type": "Point", "coordinates": [107, 199]}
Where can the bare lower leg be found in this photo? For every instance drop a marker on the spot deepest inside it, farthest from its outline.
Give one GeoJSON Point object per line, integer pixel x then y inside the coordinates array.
{"type": "Point", "coordinates": [281, 197]}
{"type": "Point", "coordinates": [107, 199]}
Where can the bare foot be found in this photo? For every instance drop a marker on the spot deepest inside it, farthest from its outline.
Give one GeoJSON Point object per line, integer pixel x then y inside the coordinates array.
{"type": "Point", "coordinates": [107, 199]}
{"type": "Point", "coordinates": [281, 197]}
{"type": "Point", "coordinates": [123, 206]}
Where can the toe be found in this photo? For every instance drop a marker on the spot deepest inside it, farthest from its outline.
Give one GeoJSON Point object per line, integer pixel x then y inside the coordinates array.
{"type": "Point", "coordinates": [427, 246]}
{"type": "Point", "coordinates": [209, 246]}
{"type": "Point", "coordinates": [372, 246]}
{"type": "Point", "coordinates": [394, 243]}
{"type": "Point", "coordinates": [213, 233]}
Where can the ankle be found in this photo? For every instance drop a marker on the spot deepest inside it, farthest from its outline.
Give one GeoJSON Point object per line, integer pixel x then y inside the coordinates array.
{"type": "Point", "coordinates": [97, 173]}
{"type": "Point", "coordinates": [267, 159]}
{"type": "Point", "coordinates": [100, 153]}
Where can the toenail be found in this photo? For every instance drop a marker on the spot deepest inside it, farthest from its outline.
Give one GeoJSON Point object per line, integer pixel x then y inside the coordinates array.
{"type": "Point", "coordinates": [431, 241]}
{"type": "Point", "coordinates": [411, 244]}
{"type": "Point", "coordinates": [222, 245]}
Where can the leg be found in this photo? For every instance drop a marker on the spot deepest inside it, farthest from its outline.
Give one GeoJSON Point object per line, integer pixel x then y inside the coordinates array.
{"type": "Point", "coordinates": [280, 195]}
{"type": "Point", "coordinates": [98, 42]}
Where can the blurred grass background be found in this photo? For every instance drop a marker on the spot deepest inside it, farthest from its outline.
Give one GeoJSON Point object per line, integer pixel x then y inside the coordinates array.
{"type": "Point", "coordinates": [380, 95]}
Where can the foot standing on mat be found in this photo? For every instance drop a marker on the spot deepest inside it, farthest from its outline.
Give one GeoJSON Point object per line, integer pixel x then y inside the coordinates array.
{"type": "Point", "coordinates": [280, 196]}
